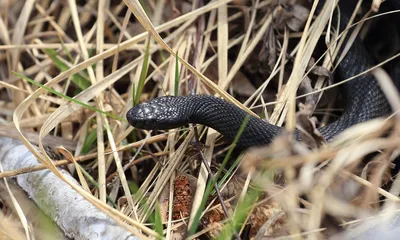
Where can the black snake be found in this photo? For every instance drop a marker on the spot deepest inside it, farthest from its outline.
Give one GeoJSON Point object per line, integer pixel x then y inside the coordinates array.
{"type": "Point", "coordinates": [363, 96]}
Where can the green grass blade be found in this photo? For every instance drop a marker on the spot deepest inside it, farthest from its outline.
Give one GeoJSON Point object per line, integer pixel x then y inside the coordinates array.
{"type": "Point", "coordinates": [229, 172]}
{"type": "Point", "coordinates": [81, 82]}
{"type": "Point", "coordinates": [143, 73]}
{"type": "Point", "coordinates": [133, 94]}
{"type": "Point", "coordinates": [229, 153]}
{"type": "Point", "coordinates": [158, 221]}
{"type": "Point", "coordinates": [196, 219]}
{"type": "Point", "coordinates": [242, 210]}
{"type": "Point", "coordinates": [68, 98]}
{"type": "Point", "coordinates": [176, 88]}
{"type": "Point", "coordinates": [95, 183]}
{"type": "Point", "coordinates": [90, 138]}
{"type": "Point", "coordinates": [66, 50]}
{"type": "Point", "coordinates": [154, 218]}
{"type": "Point", "coordinates": [211, 184]}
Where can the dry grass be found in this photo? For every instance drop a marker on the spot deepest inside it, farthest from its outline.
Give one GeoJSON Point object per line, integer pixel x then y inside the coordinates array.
{"type": "Point", "coordinates": [59, 43]}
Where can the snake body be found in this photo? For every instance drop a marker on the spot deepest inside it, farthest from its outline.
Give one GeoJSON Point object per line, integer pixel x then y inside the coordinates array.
{"type": "Point", "coordinates": [363, 97]}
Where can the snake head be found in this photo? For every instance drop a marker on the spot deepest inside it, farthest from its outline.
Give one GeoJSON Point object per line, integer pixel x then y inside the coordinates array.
{"type": "Point", "coordinates": [158, 114]}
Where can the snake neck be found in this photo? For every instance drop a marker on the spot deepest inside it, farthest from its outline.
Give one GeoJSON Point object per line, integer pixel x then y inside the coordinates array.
{"type": "Point", "coordinates": [227, 119]}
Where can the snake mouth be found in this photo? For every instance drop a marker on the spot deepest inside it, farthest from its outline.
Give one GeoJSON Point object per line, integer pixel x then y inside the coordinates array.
{"type": "Point", "coordinates": [137, 118]}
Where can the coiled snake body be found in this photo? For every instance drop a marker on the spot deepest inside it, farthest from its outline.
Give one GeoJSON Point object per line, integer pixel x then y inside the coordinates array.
{"type": "Point", "coordinates": [363, 96]}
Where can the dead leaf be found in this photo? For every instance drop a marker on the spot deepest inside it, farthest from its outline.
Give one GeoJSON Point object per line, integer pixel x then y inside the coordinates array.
{"type": "Point", "coordinates": [308, 131]}
{"type": "Point", "coordinates": [294, 16]}
{"type": "Point", "coordinates": [268, 221]}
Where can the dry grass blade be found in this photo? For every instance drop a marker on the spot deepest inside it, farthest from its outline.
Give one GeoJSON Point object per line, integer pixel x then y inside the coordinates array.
{"type": "Point", "coordinates": [18, 207]}
{"type": "Point", "coordinates": [250, 47]}
{"type": "Point", "coordinates": [84, 64]}
{"type": "Point", "coordinates": [223, 37]}
{"type": "Point", "coordinates": [388, 87]}
{"type": "Point", "coordinates": [116, 215]}
{"type": "Point", "coordinates": [306, 48]}
{"type": "Point", "coordinates": [140, 14]}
